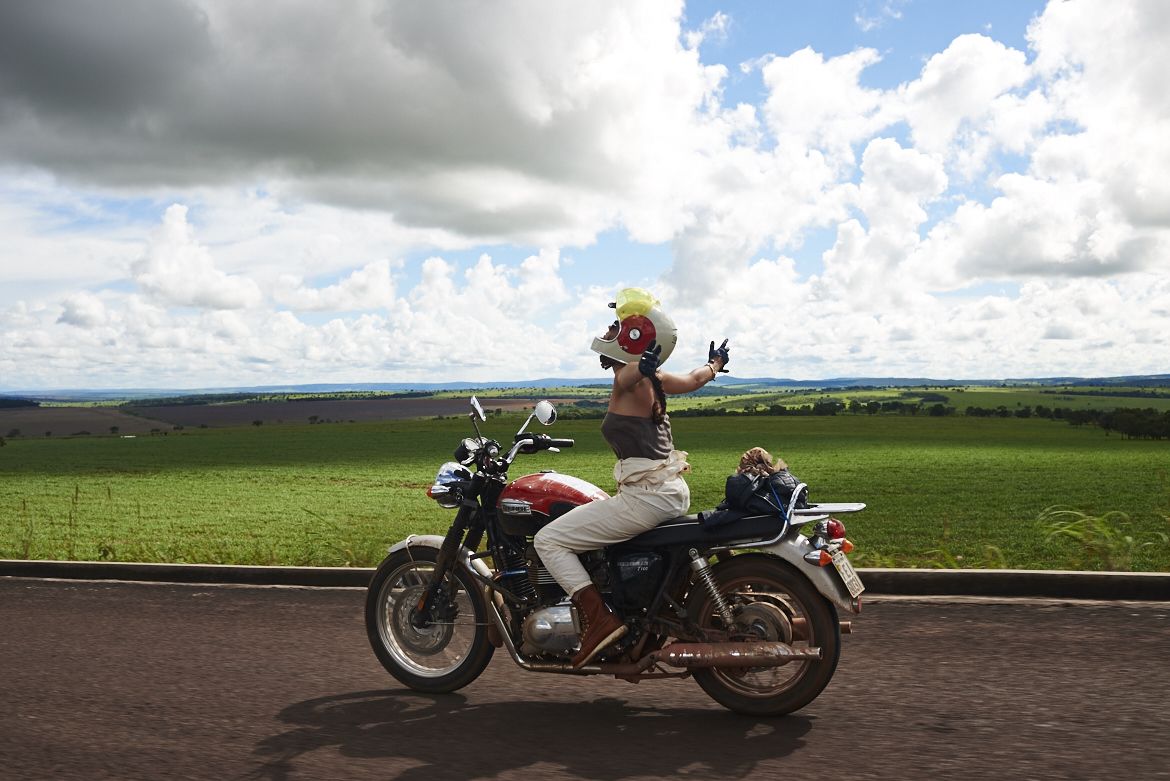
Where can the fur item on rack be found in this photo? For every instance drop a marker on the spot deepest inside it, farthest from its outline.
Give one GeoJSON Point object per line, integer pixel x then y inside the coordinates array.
{"type": "Point", "coordinates": [759, 462]}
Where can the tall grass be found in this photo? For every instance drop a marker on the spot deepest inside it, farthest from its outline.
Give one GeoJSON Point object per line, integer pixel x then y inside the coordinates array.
{"type": "Point", "coordinates": [1107, 541]}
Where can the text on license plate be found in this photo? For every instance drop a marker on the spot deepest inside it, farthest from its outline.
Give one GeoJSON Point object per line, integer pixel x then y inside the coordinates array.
{"type": "Point", "coordinates": [848, 574]}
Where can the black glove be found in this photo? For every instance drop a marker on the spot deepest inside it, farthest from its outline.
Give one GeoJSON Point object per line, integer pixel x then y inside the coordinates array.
{"type": "Point", "coordinates": [719, 352]}
{"type": "Point", "coordinates": [648, 365]}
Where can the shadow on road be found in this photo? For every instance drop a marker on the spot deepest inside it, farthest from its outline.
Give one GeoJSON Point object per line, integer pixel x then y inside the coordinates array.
{"type": "Point", "coordinates": [602, 739]}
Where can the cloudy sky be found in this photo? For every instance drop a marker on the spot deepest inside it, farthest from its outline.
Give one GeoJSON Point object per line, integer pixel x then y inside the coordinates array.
{"type": "Point", "coordinates": [203, 193]}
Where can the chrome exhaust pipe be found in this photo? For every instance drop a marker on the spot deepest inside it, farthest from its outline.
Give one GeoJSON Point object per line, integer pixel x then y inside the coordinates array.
{"type": "Point", "coordinates": [683, 655]}
{"type": "Point", "coordinates": [691, 655]}
{"type": "Point", "coordinates": [800, 628]}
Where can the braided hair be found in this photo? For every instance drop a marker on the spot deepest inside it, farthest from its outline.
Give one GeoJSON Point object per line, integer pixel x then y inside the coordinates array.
{"type": "Point", "coordinates": [658, 411]}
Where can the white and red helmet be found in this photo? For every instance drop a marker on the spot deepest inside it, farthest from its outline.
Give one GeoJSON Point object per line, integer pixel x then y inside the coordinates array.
{"type": "Point", "coordinates": [640, 321]}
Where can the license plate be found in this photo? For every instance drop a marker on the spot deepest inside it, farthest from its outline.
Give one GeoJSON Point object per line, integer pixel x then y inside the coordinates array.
{"type": "Point", "coordinates": [848, 574]}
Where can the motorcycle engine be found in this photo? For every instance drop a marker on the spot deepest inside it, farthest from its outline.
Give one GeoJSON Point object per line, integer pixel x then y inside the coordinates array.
{"type": "Point", "coordinates": [550, 630]}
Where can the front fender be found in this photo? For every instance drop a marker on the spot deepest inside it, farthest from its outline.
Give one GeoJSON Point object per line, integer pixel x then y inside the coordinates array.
{"type": "Point", "coordinates": [826, 580]}
{"type": "Point", "coordinates": [436, 541]}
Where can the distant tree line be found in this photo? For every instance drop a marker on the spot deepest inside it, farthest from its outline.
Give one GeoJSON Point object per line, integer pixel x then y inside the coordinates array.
{"type": "Point", "coordinates": [16, 401]}
{"type": "Point", "coordinates": [1127, 421]}
{"type": "Point", "coordinates": [824, 407]}
{"type": "Point", "coordinates": [1137, 423]}
{"type": "Point", "coordinates": [191, 401]}
{"type": "Point", "coordinates": [1132, 423]}
{"type": "Point", "coordinates": [1129, 394]}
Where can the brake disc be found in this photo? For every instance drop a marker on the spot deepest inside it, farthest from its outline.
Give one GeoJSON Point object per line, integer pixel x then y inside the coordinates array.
{"type": "Point", "coordinates": [426, 641]}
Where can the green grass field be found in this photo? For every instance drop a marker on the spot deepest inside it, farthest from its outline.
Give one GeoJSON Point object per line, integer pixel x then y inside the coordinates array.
{"type": "Point", "coordinates": [941, 491]}
{"type": "Point", "coordinates": [959, 397]}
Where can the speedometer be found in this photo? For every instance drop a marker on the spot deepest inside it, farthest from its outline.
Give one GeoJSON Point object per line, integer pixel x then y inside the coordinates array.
{"type": "Point", "coordinates": [467, 449]}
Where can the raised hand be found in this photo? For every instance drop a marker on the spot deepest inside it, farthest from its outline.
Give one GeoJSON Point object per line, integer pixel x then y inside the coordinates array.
{"type": "Point", "coordinates": [719, 353]}
{"type": "Point", "coordinates": [648, 364]}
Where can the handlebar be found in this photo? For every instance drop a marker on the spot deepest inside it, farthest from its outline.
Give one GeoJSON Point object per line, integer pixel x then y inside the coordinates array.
{"type": "Point", "coordinates": [529, 443]}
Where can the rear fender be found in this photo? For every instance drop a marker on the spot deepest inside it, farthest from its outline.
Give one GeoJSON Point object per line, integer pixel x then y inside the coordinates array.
{"type": "Point", "coordinates": [825, 579]}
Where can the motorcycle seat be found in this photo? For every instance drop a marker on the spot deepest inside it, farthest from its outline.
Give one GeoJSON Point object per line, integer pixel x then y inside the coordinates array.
{"type": "Point", "coordinates": [689, 529]}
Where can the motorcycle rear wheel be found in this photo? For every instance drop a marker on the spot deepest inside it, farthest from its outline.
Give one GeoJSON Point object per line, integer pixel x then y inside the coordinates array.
{"type": "Point", "coordinates": [447, 654]}
{"type": "Point", "coordinates": [768, 691]}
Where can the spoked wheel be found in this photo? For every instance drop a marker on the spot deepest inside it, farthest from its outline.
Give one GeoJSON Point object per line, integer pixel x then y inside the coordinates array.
{"type": "Point", "coordinates": [443, 655]}
{"type": "Point", "coordinates": [770, 602]}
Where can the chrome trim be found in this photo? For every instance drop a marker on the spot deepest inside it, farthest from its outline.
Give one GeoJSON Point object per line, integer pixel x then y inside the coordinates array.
{"type": "Point", "coordinates": [801, 488]}
{"type": "Point", "coordinates": [514, 451]}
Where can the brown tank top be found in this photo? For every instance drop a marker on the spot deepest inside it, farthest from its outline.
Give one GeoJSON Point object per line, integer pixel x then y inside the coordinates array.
{"type": "Point", "coordinates": [633, 437]}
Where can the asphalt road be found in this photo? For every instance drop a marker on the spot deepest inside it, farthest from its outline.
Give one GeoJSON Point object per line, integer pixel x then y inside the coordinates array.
{"type": "Point", "coordinates": [144, 681]}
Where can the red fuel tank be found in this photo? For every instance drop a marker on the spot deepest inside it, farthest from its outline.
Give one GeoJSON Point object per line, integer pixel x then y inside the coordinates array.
{"type": "Point", "coordinates": [531, 501]}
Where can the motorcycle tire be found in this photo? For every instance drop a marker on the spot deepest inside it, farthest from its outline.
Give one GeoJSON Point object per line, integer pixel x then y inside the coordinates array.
{"type": "Point", "coordinates": [444, 656]}
{"type": "Point", "coordinates": [768, 691]}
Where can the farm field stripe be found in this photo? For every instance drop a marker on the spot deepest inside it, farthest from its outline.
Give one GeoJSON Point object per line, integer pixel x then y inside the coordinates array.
{"type": "Point", "coordinates": [1109, 586]}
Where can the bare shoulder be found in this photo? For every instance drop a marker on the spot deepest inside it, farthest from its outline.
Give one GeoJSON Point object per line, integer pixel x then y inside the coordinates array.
{"type": "Point", "coordinates": [637, 401]}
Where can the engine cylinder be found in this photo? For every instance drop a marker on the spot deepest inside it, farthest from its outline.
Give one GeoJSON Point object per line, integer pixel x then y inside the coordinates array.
{"type": "Point", "coordinates": [540, 578]}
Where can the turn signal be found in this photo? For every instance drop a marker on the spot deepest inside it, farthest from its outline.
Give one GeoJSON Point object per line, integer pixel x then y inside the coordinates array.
{"type": "Point", "coordinates": [846, 546]}
{"type": "Point", "coordinates": [818, 557]}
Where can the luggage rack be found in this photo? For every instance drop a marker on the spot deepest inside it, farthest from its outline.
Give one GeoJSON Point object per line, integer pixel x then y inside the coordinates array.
{"type": "Point", "coordinates": [815, 512]}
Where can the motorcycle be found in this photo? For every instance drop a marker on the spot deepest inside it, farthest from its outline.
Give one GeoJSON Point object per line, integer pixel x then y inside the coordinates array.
{"type": "Point", "coordinates": [747, 608]}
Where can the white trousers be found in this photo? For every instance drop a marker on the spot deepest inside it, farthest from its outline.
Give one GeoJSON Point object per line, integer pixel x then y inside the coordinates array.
{"type": "Point", "coordinates": [649, 492]}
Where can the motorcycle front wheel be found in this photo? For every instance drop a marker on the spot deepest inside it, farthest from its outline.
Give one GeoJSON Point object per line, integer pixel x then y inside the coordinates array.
{"type": "Point", "coordinates": [771, 601]}
{"type": "Point", "coordinates": [445, 654]}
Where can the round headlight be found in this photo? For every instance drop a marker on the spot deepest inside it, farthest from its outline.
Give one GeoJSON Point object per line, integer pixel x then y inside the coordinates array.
{"type": "Point", "coordinates": [451, 472]}
{"type": "Point", "coordinates": [441, 491]}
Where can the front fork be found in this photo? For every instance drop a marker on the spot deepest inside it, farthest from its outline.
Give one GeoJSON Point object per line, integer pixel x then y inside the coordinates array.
{"type": "Point", "coordinates": [424, 612]}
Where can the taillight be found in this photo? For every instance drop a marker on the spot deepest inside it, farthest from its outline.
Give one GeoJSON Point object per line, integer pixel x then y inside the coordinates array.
{"type": "Point", "coordinates": [835, 529]}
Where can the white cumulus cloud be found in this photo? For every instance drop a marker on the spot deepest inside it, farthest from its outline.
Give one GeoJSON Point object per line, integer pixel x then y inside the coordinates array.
{"type": "Point", "coordinates": [334, 167]}
{"type": "Point", "coordinates": [370, 287]}
{"type": "Point", "coordinates": [177, 270]}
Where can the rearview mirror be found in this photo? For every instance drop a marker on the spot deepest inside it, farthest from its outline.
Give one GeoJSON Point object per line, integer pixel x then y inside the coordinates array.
{"type": "Point", "coordinates": [478, 409]}
{"type": "Point", "coordinates": [545, 412]}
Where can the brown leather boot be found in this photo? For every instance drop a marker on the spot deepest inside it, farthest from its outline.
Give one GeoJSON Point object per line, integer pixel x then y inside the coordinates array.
{"type": "Point", "coordinates": [600, 626]}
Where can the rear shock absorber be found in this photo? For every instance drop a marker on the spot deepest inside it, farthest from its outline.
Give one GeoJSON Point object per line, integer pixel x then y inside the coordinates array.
{"type": "Point", "coordinates": [702, 570]}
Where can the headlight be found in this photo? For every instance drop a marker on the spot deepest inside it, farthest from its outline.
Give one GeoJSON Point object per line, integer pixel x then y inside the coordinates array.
{"type": "Point", "coordinates": [441, 491]}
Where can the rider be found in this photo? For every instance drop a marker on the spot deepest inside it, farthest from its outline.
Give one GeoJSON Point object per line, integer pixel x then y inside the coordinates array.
{"type": "Point", "coordinates": [648, 472]}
